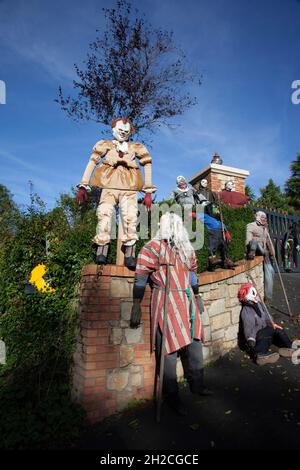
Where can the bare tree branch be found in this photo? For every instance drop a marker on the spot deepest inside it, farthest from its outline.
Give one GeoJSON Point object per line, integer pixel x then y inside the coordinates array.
{"type": "Point", "coordinates": [132, 70]}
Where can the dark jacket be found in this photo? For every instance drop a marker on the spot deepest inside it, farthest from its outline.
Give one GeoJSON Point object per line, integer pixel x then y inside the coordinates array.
{"type": "Point", "coordinates": [252, 323]}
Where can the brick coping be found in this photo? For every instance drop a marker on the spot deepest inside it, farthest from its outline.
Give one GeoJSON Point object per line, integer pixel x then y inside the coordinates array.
{"type": "Point", "coordinates": [205, 277]}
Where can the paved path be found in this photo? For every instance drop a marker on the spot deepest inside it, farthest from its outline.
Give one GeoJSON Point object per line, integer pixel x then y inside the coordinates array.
{"type": "Point", "coordinates": [252, 407]}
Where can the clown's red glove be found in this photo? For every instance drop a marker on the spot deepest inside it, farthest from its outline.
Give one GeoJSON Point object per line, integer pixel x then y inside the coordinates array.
{"type": "Point", "coordinates": [81, 195]}
{"type": "Point", "coordinates": [148, 201]}
{"type": "Point", "coordinates": [227, 236]}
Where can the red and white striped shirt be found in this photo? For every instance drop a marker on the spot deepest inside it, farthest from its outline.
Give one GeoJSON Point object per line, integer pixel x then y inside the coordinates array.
{"type": "Point", "coordinates": [152, 260]}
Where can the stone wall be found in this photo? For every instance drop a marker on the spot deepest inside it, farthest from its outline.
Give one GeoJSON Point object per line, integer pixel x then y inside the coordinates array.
{"type": "Point", "coordinates": [222, 308]}
{"type": "Point", "coordinates": [113, 364]}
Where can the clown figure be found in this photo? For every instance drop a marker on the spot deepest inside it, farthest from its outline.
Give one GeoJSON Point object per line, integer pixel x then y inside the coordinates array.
{"type": "Point", "coordinates": [259, 331]}
{"type": "Point", "coordinates": [120, 178]}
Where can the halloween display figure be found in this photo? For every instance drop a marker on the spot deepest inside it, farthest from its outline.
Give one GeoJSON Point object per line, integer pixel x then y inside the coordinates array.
{"type": "Point", "coordinates": [207, 198]}
{"type": "Point", "coordinates": [232, 198]}
{"type": "Point", "coordinates": [258, 243]}
{"type": "Point", "coordinates": [170, 263]}
{"type": "Point", "coordinates": [183, 194]}
{"type": "Point", "coordinates": [218, 240]}
{"type": "Point", "coordinates": [119, 178]}
{"type": "Point", "coordinates": [258, 330]}
{"type": "Point", "coordinates": [291, 247]}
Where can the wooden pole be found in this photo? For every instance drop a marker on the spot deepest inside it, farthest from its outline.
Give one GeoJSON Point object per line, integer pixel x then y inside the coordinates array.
{"type": "Point", "coordinates": [120, 253]}
{"type": "Point", "coordinates": [163, 342]}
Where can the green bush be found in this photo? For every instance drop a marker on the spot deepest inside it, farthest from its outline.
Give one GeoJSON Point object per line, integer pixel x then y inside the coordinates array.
{"type": "Point", "coordinates": [39, 330]}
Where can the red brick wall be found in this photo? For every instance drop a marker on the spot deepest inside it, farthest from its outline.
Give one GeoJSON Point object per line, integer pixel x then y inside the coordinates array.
{"type": "Point", "coordinates": [216, 181]}
{"type": "Point", "coordinates": [98, 353]}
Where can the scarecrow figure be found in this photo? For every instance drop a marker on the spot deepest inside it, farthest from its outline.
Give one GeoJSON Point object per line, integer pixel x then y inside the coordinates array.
{"type": "Point", "coordinates": [232, 198]}
{"type": "Point", "coordinates": [169, 262]}
{"type": "Point", "coordinates": [291, 246]}
{"type": "Point", "coordinates": [120, 179]}
{"type": "Point", "coordinates": [258, 243]}
{"type": "Point", "coordinates": [183, 194]}
{"type": "Point", "coordinates": [207, 198]}
{"type": "Point", "coordinates": [258, 330]}
{"type": "Point", "coordinates": [218, 240]}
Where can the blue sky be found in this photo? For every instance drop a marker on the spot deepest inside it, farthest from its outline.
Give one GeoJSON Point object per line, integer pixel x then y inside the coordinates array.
{"type": "Point", "coordinates": [247, 51]}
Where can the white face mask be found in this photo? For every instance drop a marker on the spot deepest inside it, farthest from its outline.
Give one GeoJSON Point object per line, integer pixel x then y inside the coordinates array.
{"type": "Point", "coordinates": [203, 183]}
{"type": "Point", "coordinates": [180, 180]}
{"type": "Point", "coordinates": [121, 131]}
{"type": "Point", "coordinates": [229, 185]}
{"type": "Point", "coordinates": [261, 217]}
{"type": "Point", "coordinates": [252, 295]}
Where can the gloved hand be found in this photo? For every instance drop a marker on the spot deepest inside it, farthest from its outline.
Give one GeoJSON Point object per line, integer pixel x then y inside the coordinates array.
{"type": "Point", "coordinates": [199, 301]}
{"type": "Point", "coordinates": [148, 201]}
{"type": "Point", "coordinates": [227, 236]}
{"type": "Point", "coordinates": [136, 314]}
{"type": "Point", "coordinates": [81, 195]}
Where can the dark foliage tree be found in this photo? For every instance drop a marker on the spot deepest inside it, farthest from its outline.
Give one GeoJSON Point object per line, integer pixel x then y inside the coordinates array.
{"type": "Point", "coordinates": [9, 214]}
{"type": "Point", "coordinates": [250, 192]}
{"type": "Point", "coordinates": [273, 198]}
{"type": "Point", "coordinates": [132, 70]}
{"type": "Point", "coordinates": [292, 185]}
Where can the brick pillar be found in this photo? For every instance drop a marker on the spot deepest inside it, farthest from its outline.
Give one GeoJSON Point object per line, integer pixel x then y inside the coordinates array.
{"type": "Point", "coordinates": [113, 363]}
{"type": "Point", "coordinates": [218, 175]}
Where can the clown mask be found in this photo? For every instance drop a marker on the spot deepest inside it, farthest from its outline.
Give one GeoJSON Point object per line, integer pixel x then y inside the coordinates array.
{"type": "Point", "coordinates": [121, 131]}
{"type": "Point", "coordinates": [252, 295]}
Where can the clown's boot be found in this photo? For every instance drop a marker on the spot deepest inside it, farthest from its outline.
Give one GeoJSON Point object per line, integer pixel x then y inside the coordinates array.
{"type": "Point", "coordinates": [129, 259]}
{"type": "Point", "coordinates": [101, 254]}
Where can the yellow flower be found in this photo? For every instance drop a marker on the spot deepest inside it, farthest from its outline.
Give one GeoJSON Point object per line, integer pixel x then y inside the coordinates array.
{"type": "Point", "coordinates": [37, 279]}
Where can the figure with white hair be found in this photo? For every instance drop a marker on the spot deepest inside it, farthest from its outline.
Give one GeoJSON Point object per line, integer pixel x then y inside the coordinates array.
{"type": "Point", "coordinates": [120, 179]}
{"type": "Point", "coordinates": [258, 243]}
{"type": "Point", "coordinates": [183, 194]}
{"type": "Point", "coordinates": [184, 329]}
